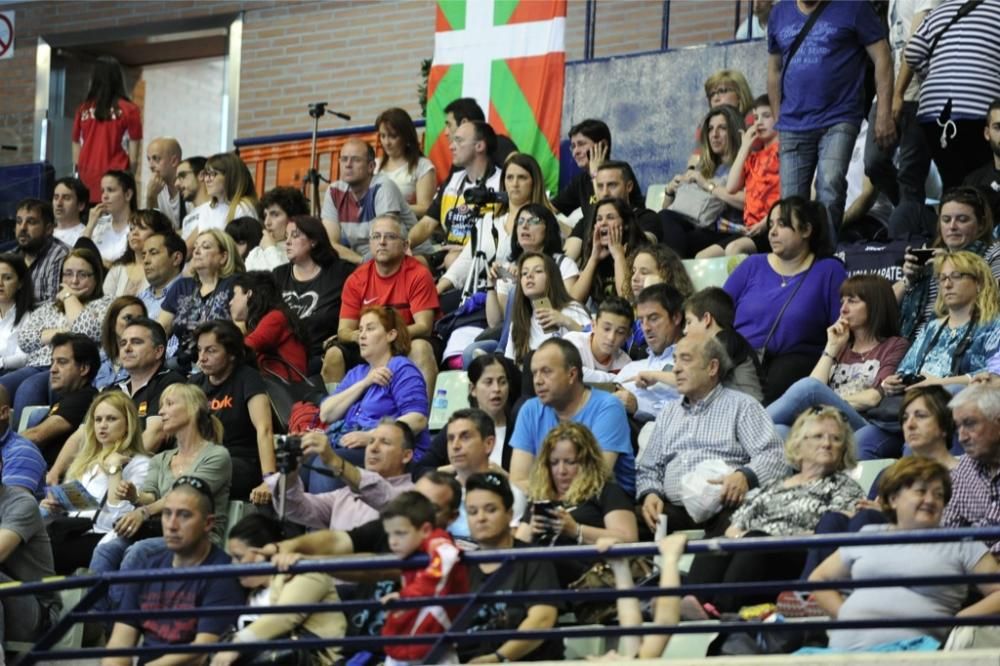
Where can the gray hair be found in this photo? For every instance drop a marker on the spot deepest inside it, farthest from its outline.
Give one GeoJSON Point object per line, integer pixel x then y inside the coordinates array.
{"type": "Point", "coordinates": [713, 350]}
{"type": "Point", "coordinates": [985, 398]}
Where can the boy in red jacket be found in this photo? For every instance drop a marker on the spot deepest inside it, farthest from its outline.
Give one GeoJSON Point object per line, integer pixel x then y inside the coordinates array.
{"type": "Point", "coordinates": [408, 521]}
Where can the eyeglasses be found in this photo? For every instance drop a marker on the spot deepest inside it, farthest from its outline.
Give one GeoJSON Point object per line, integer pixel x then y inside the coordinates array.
{"type": "Point", "coordinates": [209, 174]}
{"type": "Point", "coordinates": [387, 237]}
{"type": "Point", "coordinates": [77, 275]}
{"type": "Point", "coordinates": [721, 90]}
{"type": "Point", "coordinates": [196, 483]}
{"type": "Point", "coordinates": [954, 276]}
{"type": "Point", "coordinates": [530, 222]}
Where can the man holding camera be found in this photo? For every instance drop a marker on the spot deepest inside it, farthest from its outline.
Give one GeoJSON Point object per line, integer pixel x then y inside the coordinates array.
{"type": "Point", "coordinates": [472, 145]}
{"type": "Point", "coordinates": [365, 491]}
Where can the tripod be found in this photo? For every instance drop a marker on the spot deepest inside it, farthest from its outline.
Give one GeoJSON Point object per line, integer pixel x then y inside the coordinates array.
{"type": "Point", "coordinates": [316, 111]}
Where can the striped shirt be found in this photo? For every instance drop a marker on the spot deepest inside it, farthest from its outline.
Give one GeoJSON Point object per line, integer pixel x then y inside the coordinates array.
{"type": "Point", "coordinates": [725, 425]}
{"type": "Point", "coordinates": [965, 66]}
{"type": "Point", "coordinates": [23, 464]}
{"type": "Point", "coordinates": [975, 497]}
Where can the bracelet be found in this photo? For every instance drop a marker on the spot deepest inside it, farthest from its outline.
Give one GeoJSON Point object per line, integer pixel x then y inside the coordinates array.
{"type": "Point", "coordinates": [503, 659]}
{"type": "Point", "coordinates": [711, 186]}
{"type": "Point", "coordinates": [829, 356]}
{"type": "Point", "coordinates": [145, 512]}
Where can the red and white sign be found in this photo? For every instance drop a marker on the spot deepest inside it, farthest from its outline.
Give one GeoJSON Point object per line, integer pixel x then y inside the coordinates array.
{"type": "Point", "coordinates": [6, 35]}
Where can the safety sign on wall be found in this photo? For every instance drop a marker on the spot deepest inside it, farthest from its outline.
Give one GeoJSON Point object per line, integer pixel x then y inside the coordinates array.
{"type": "Point", "coordinates": [6, 35]}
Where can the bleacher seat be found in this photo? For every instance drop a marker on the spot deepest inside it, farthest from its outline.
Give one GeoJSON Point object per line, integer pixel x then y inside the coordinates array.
{"type": "Point", "coordinates": [868, 470]}
{"type": "Point", "coordinates": [455, 384]}
{"type": "Point", "coordinates": [654, 196]}
{"type": "Point", "coordinates": [644, 435]}
{"type": "Point", "coordinates": [711, 272]}
{"type": "Point", "coordinates": [690, 646]}
{"type": "Point", "coordinates": [71, 639]}
{"type": "Point", "coordinates": [31, 416]}
{"type": "Point", "coordinates": [235, 513]}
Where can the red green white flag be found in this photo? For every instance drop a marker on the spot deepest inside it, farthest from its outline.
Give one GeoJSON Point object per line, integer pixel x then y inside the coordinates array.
{"type": "Point", "coordinates": [509, 55]}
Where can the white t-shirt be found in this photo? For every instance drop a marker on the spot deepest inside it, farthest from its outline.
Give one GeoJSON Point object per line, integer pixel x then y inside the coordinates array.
{"type": "Point", "coordinates": [209, 216]}
{"type": "Point", "coordinates": [266, 259]}
{"type": "Point", "coordinates": [581, 340]}
{"type": "Point", "coordinates": [171, 207]}
{"type": "Point", "coordinates": [69, 236]}
{"type": "Point", "coordinates": [901, 13]}
{"type": "Point", "coordinates": [496, 455]}
{"type": "Point", "coordinates": [537, 336]}
{"type": "Point", "coordinates": [406, 180]}
{"type": "Point", "coordinates": [10, 350]}
{"type": "Point", "coordinates": [567, 269]}
{"type": "Point", "coordinates": [110, 243]}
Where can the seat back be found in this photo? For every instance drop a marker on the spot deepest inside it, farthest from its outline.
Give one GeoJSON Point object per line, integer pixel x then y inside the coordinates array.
{"type": "Point", "coordinates": [451, 393]}
{"type": "Point", "coordinates": [711, 272]}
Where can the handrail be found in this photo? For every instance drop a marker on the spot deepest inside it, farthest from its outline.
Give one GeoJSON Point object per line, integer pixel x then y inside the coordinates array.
{"type": "Point", "coordinates": [99, 583]}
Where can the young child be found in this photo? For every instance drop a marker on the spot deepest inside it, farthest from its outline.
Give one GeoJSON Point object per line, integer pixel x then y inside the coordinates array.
{"type": "Point", "coordinates": [408, 521]}
{"type": "Point", "coordinates": [602, 348]}
{"type": "Point", "coordinates": [755, 170]}
{"type": "Point", "coordinates": [711, 311]}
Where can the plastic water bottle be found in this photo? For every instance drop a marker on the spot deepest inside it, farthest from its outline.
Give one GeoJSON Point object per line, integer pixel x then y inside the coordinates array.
{"type": "Point", "coordinates": [440, 399]}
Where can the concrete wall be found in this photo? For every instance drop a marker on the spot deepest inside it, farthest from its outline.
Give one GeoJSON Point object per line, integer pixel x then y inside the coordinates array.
{"type": "Point", "coordinates": [653, 103]}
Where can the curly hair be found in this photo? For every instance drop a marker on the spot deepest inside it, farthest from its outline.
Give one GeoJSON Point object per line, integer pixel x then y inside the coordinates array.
{"type": "Point", "coordinates": [593, 473]}
{"type": "Point", "coordinates": [668, 265]}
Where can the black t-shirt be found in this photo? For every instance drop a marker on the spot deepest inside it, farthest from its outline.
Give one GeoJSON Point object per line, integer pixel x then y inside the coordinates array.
{"type": "Point", "coordinates": [577, 194]}
{"type": "Point", "coordinates": [369, 538]}
{"type": "Point", "coordinates": [987, 180]}
{"type": "Point", "coordinates": [73, 406]}
{"type": "Point", "coordinates": [523, 576]}
{"type": "Point", "coordinates": [147, 398]}
{"type": "Point", "coordinates": [316, 301]}
{"type": "Point", "coordinates": [230, 402]}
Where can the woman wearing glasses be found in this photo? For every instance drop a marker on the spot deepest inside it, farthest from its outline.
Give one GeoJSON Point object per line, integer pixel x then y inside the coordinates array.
{"type": "Point", "coordinates": [231, 191]}
{"type": "Point", "coordinates": [79, 307]}
{"type": "Point", "coordinates": [311, 282]}
{"type": "Point", "coordinates": [949, 350]}
{"type": "Point", "coordinates": [821, 449]}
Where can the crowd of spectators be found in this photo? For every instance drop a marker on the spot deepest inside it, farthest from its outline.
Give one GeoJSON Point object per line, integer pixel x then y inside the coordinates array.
{"type": "Point", "coordinates": [152, 345]}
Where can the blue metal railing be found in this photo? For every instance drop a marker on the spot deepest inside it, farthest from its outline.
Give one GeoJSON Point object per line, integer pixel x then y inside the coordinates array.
{"type": "Point", "coordinates": [98, 585]}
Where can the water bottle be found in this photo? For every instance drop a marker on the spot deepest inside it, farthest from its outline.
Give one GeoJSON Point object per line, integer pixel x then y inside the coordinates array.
{"type": "Point", "coordinates": [440, 399]}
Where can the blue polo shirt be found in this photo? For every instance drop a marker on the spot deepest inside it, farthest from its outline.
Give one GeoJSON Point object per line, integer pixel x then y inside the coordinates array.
{"type": "Point", "coordinates": [23, 464]}
{"type": "Point", "coordinates": [603, 414]}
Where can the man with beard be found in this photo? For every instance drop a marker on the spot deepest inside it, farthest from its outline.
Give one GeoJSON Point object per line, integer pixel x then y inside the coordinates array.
{"type": "Point", "coordinates": [987, 178]}
{"type": "Point", "coordinates": [34, 228]}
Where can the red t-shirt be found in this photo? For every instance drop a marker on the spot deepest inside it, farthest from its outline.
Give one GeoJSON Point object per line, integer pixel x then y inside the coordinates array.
{"type": "Point", "coordinates": [408, 290]}
{"type": "Point", "coordinates": [102, 142]}
{"type": "Point", "coordinates": [762, 180]}
{"type": "Point", "coordinates": [273, 338]}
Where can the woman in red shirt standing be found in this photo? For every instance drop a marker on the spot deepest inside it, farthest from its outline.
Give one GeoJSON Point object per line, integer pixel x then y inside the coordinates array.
{"type": "Point", "coordinates": [273, 331]}
{"type": "Point", "coordinates": [103, 125]}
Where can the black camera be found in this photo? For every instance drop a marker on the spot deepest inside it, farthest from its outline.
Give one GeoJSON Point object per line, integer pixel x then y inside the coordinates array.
{"type": "Point", "coordinates": [481, 196]}
{"type": "Point", "coordinates": [287, 452]}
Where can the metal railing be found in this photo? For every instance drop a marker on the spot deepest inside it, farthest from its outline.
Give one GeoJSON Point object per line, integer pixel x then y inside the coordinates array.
{"type": "Point", "coordinates": [98, 585]}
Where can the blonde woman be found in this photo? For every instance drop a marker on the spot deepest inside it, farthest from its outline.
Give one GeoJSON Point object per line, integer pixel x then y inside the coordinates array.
{"type": "Point", "coordinates": [111, 452]}
{"type": "Point", "coordinates": [231, 192]}
{"type": "Point", "coordinates": [192, 301]}
{"type": "Point", "coordinates": [586, 502]}
{"type": "Point", "coordinates": [820, 447]}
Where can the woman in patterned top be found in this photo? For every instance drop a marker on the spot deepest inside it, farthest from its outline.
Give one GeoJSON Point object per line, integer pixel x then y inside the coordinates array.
{"type": "Point", "coordinates": [821, 447]}
{"type": "Point", "coordinates": [863, 347]}
{"type": "Point", "coordinates": [79, 307]}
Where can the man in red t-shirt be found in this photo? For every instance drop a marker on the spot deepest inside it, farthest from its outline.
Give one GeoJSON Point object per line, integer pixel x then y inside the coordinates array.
{"type": "Point", "coordinates": [390, 278]}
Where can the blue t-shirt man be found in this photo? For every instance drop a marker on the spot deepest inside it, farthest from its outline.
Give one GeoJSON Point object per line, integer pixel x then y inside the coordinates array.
{"type": "Point", "coordinates": [158, 594]}
{"type": "Point", "coordinates": [603, 414]}
{"type": "Point", "coordinates": [824, 80]}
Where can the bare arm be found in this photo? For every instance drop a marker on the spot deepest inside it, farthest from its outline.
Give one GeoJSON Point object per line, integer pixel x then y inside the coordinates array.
{"type": "Point", "coordinates": [260, 416]}
{"type": "Point", "coordinates": [76, 154]}
{"type": "Point", "coordinates": [416, 421]}
{"type": "Point", "coordinates": [184, 659]}
{"type": "Point", "coordinates": [65, 458]}
{"type": "Point", "coordinates": [423, 324]}
{"type": "Point", "coordinates": [425, 189]}
{"type": "Point", "coordinates": [422, 230]}
{"type": "Point", "coordinates": [520, 467]}
{"type": "Point", "coordinates": [347, 330]}
{"type": "Point", "coordinates": [832, 568]}
{"type": "Point", "coordinates": [774, 83]}
{"type": "Point", "coordinates": [134, 155]}
{"type": "Point", "coordinates": [990, 603]}
{"type": "Point", "coordinates": [153, 436]}
{"type": "Point", "coordinates": [885, 128]}
{"type": "Point", "coordinates": [539, 617]}
{"type": "Point", "coordinates": [166, 321]}
{"type": "Point", "coordinates": [53, 427]}
{"type": "Point", "coordinates": [9, 541]}
{"type": "Point", "coordinates": [122, 636]}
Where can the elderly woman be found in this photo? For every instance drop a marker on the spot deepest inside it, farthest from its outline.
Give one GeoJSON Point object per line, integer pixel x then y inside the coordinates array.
{"type": "Point", "coordinates": [574, 498]}
{"type": "Point", "coordinates": [913, 494]}
{"type": "Point", "coordinates": [948, 351]}
{"type": "Point", "coordinates": [964, 223]}
{"type": "Point", "coordinates": [111, 452]}
{"type": "Point", "coordinates": [820, 447]}
{"type": "Point", "coordinates": [192, 301]}
{"type": "Point", "coordinates": [786, 299]}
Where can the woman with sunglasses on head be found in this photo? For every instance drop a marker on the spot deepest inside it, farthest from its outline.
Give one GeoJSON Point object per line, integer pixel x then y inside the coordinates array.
{"type": "Point", "coordinates": [948, 351]}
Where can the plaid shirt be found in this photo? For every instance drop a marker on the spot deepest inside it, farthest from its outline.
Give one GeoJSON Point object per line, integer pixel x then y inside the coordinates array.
{"type": "Point", "coordinates": [46, 269]}
{"type": "Point", "coordinates": [726, 424]}
{"type": "Point", "coordinates": [975, 497]}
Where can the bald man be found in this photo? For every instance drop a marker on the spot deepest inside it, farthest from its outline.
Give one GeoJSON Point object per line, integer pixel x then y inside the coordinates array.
{"type": "Point", "coordinates": [164, 156]}
{"type": "Point", "coordinates": [360, 196]}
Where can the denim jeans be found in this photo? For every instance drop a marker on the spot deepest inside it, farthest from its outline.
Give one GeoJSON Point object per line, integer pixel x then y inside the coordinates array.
{"type": "Point", "coordinates": [118, 555]}
{"type": "Point", "coordinates": [874, 443]}
{"type": "Point", "coordinates": [901, 180]}
{"type": "Point", "coordinates": [805, 393]}
{"type": "Point", "coordinates": [825, 153]}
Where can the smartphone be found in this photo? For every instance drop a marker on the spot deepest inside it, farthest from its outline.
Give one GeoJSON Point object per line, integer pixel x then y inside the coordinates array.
{"type": "Point", "coordinates": [910, 378]}
{"type": "Point", "coordinates": [545, 508]}
{"type": "Point", "coordinates": [504, 274]}
{"type": "Point", "coordinates": [923, 255]}
{"type": "Point", "coordinates": [544, 302]}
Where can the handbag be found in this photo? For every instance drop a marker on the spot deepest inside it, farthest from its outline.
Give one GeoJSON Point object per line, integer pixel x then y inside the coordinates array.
{"type": "Point", "coordinates": [697, 205]}
{"type": "Point", "coordinates": [600, 577]}
{"type": "Point", "coordinates": [471, 312]}
{"type": "Point", "coordinates": [63, 529]}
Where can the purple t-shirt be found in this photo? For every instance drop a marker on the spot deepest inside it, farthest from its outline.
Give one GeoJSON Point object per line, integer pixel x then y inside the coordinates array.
{"type": "Point", "coordinates": [406, 392]}
{"type": "Point", "coordinates": [756, 289]}
{"type": "Point", "coordinates": [823, 82]}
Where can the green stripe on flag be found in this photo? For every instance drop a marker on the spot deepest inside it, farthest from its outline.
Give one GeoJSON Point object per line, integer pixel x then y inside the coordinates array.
{"type": "Point", "coordinates": [503, 10]}
{"type": "Point", "coordinates": [454, 11]}
{"type": "Point", "coordinates": [449, 88]}
{"type": "Point", "coordinates": [519, 118]}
